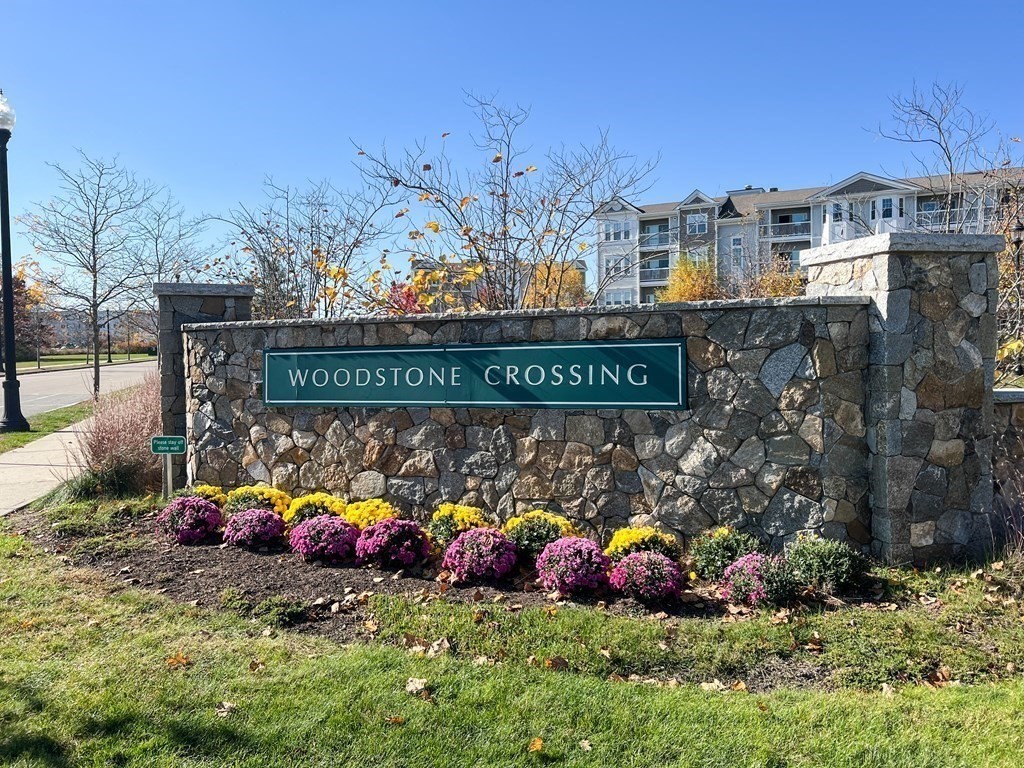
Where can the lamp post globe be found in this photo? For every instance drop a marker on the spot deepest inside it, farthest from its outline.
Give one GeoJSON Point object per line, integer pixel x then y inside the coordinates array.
{"type": "Point", "coordinates": [12, 419]}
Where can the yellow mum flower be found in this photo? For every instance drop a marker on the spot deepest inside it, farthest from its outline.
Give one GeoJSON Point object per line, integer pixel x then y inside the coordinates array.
{"type": "Point", "coordinates": [311, 505]}
{"type": "Point", "coordinates": [365, 513]}
{"type": "Point", "coordinates": [626, 541]}
{"type": "Point", "coordinates": [257, 497]}
{"type": "Point", "coordinates": [449, 520]}
{"type": "Point", "coordinates": [564, 524]}
{"type": "Point", "coordinates": [212, 493]}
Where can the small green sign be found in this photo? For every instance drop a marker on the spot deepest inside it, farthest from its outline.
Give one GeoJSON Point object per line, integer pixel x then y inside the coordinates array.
{"type": "Point", "coordinates": [164, 444]}
{"type": "Point", "coordinates": [627, 373]}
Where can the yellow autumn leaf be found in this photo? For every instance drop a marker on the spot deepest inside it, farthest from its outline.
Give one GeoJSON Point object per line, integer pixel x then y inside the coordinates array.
{"type": "Point", "coordinates": [433, 226]}
{"type": "Point", "coordinates": [536, 745]}
{"type": "Point", "coordinates": [463, 203]}
{"type": "Point", "coordinates": [531, 168]}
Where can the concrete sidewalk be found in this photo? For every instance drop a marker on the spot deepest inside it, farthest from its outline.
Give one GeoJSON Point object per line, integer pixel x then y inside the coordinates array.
{"type": "Point", "coordinates": [29, 472]}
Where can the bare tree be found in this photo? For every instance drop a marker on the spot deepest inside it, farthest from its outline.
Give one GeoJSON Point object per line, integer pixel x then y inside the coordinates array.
{"type": "Point", "coordinates": [507, 218]}
{"type": "Point", "coordinates": [301, 246]}
{"type": "Point", "coordinates": [90, 231]}
{"type": "Point", "coordinates": [946, 141]}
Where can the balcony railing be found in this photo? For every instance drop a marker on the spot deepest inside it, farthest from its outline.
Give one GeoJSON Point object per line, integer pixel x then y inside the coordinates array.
{"type": "Point", "coordinates": [653, 240]}
{"type": "Point", "coordinates": [791, 229]}
{"type": "Point", "coordinates": [654, 273]}
{"type": "Point", "coordinates": [953, 220]}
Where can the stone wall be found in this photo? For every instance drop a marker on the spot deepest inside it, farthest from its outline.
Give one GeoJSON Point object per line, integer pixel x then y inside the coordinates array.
{"type": "Point", "coordinates": [181, 303]}
{"type": "Point", "coordinates": [932, 344]}
{"type": "Point", "coordinates": [774, 441]}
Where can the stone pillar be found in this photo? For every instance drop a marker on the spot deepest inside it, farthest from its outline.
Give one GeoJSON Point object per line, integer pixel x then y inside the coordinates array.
{"type": "Point", "coordinates": [181, 303]}
{"type": "Point", "coordinates": [931, 363]}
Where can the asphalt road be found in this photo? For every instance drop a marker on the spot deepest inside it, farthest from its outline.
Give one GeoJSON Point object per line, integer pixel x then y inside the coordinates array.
{"type": "Point", "coordinates": [41, 392]}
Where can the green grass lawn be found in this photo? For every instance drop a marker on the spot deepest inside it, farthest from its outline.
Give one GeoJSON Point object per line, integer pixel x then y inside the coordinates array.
{"type": "Point", "coordinates": [93, 672]}
{"type": "Point", "coordinates": [64, 361]}
{"type": "Point", "coordinates": [45, 424]}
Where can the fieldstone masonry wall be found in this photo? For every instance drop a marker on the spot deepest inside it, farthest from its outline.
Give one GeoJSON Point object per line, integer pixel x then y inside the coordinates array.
{"type": "Point", "coordinates": [862, 411]}
{"type": "Point", "coordinates": [774, 441]}
{"type": "Point", "coordinates": [181, 303]}
{"type": "Point", "coordinates": [931, 363]}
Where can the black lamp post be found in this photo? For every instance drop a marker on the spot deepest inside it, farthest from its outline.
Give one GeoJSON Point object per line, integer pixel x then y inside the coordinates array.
{"type": "Point", "coordinates": [12, 420]}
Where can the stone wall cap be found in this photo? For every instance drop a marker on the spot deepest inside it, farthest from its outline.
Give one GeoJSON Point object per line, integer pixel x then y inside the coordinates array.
{"type": "Point", "coordinates": [516, 314]}
{"type": "Point", "coordinates": [226, 290]}
{"type": "Point", "coordinates": [1008, 395]}
{"type": "Point", "coordinates": [901, 242]}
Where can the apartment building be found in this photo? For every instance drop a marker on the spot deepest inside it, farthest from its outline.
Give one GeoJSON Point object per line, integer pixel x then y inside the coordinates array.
{"type": "Point", "coordinates": [748, 228]}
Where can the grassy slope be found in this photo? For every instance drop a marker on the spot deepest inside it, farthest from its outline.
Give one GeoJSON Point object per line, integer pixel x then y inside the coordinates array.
{"type": "Point", "coordinates": [60, 361]}
{"type": "Point", "coordinates": [45, 424]}
{"type": "Point", "coordinates": [84, 681]}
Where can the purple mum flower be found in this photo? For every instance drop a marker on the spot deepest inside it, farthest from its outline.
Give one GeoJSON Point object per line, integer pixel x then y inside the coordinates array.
{"type": "Point", "coordinates": [392, 542]}
{"type": "Point", "coordinates": [647, 576]}
{"type": "Point", "coordinates": [325, 537]}
{"type": "Point", "coordinates": [189, 519]}
{"type": "Point", "coordinates": [573, 564]}
{"type": "Point", "coordinates": [253, 528]}
{"type": "Point", "coordinates": [480, 553]}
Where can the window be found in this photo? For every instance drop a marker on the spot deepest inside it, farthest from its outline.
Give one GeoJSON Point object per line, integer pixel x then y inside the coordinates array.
{"type": "Point", "coordinates": [737, 248]}
{"type": "Point", "coordinates": [886, 207]}
{"type": "Point", "coordinates": [700, 255]}
{"type": "Point", "coordinates": [929, 206]}
{"type": "Point", "coordinates": [901, 207]}
{"type": "Point", "coordinates": [662, 262]}
{"type": "Point", "coordinates": [615, 298]}
{"type": "Point", "coordinates": [618, 266]}
{"type": "Point", "coordinates": [648, 297]}
{"type": "Point", "coordinates": [874, 210]}
{"type": "Point", "coordinates": [616, 230]}
{"type": "Point", "coordinates": [837, 212]}
{"type": "Point", "coordinates": [697, 224]}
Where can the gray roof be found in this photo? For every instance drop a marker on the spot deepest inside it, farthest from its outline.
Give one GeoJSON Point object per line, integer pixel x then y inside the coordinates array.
{"type": "Point", "coordinates": [747, 202]}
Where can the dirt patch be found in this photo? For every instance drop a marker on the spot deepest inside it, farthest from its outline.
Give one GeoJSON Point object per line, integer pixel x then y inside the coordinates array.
{"type": "Point", "coordinates": [774, 673]}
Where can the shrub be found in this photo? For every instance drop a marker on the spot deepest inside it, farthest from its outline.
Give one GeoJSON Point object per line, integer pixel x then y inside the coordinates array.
{"type": "Point", "coordinates": [758, 579]}
{"type": "Point", "coordinates": [114, 443]}
{"type": "Point", "coordinates": [118, 481]}
{"type": "Point", "coordinates": [365, 513]}
{"type": "Point", "coordinates": [253, 528]}
{"type": "Point", "coordinates": [257, 497]}
{"type": "Point", "coordinates": [189, 519]}
{"type": "Point", "coordinates": [689, 281]}
{"type": "Point", "coordinates": [449, 520]}
{"type": "Point", "coordinates": [715, 549]}
{"type": "Point", "coordinates": [313, 505]}
{"type": "Point", "coordinates": [327, 538]}
{"type": "Point", "coordinates": [534, 530]}
{"type": "Point", "coordinates": [479, 553]}
{"type": "Point", "coordinates": [826, 564]}
{"type": "Point", "coordinates": [647, 576]}
{"type": "Point", "coordinates": [626, 541]}
{"type": "Point", "coordinates": [392, 542]}
{"type": "Point", "coordinates": [572, 564]}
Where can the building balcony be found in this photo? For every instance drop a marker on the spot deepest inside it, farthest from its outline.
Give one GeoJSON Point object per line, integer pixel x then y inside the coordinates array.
{"type": "Point", "coordinates": [654, 274]}
{"type": "Point", "coordinates": [652, 241]}
{"type": "Point", "coordinates": [952, 220]}
{"type": "Point", "coordinates": [791, 229]}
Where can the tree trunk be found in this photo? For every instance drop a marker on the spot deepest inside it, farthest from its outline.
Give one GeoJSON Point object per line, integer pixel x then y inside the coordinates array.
{"type": "Point", "coordinates": [95, 352]}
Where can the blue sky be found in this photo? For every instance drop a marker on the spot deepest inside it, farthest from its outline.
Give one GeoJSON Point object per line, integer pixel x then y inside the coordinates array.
{"type": "Point", "coordinates": [209, 97]}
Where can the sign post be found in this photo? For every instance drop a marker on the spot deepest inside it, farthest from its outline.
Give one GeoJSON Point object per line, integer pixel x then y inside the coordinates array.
{"type": "Point", "coordinates": [167, 446]}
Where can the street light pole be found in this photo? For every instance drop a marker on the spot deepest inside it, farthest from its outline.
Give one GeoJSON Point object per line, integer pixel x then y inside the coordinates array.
{"type": "Point", "coordinates": [12, 420]}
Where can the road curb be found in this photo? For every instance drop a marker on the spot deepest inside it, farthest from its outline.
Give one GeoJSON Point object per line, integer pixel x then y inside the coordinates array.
{"type": "Point", "coordinates": [87, 367]}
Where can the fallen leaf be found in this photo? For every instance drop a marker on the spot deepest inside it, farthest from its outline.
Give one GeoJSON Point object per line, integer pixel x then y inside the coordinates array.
{"type": "Point", "coordinates": [585, 746]}
{"type": "Point", "coordinates": [419, 687]}
{"type": "Point", "coordinates": [998, 565]}
{"type": "Point", "coordinates": [556, 663]}
{"type": "Point", "coordinates": [714, 685]}
{"type": "Point", "coordinates": [479, 615]}
{"type": "Point", "coordinates": [178, 661]}
{"type": "Point", "coordinates": [739, 685]}
{"type": "Point", "coordinates": [536, 745]}
{"type": "Point", "coordinates": [371, 626]}
{"type": "Point", "coordinates": [550, 611]}
{"type": "Point", "coordinates": [605, 651]}
{"type": "Point", "coordinates": [395, 720]}
{"type": "Point", "coordinates": [888, 690]}
{"type": "Point", "coordinates": [225, 708]}
{"type": "Point", "coordinates": [256, 665]}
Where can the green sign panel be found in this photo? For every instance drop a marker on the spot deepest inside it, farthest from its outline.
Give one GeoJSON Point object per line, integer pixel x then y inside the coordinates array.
{"type": "Point", "coordinates": [636, 373]}
{"type": "Point", "coordinates": [162, 444]}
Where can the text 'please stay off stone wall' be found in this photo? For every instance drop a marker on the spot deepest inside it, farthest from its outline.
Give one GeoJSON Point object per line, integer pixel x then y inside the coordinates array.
{"type": "Point", "coordinates": [774, 441]}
